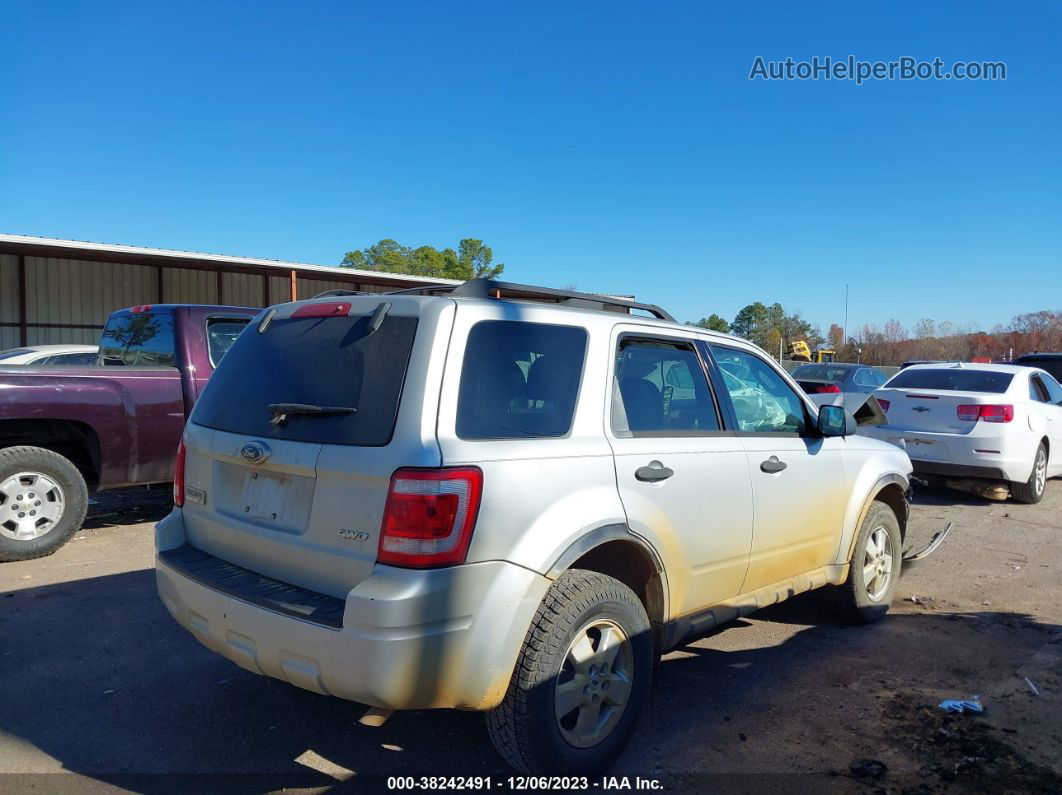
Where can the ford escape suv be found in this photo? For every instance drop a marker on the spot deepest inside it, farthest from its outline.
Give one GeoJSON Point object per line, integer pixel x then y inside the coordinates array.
{"type": "Point", "coordinates": [510, 499]}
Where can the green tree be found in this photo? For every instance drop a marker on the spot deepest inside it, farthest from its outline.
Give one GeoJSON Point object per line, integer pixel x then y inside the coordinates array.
{"type": "Point", "coordinates": [713, 322]}
{"type": "Point", "coordinates": [750, 321]}
{"type": "Point", "coordinates": [473, 259]}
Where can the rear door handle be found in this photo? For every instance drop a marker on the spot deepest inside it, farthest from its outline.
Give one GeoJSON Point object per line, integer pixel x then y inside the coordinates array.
{"type": "Point", "coordinates": [653, 473]}
{"type": "Point", "coordinates": [772, 465]}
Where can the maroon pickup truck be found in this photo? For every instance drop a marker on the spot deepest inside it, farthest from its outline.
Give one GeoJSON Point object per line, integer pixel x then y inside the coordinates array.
{"type": "Point", "coordinates": [66, 431]}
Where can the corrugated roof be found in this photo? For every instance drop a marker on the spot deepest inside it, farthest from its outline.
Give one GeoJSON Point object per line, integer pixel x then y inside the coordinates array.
{"type": "Point", "coordinates": [75, 246]}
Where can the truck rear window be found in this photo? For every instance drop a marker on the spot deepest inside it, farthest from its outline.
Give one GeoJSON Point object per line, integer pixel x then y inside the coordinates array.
{"type": "Point", "coordinates": [952, 379]}
{"type": "Point", "coordinates": [139, 339]}
{"type": "Point", "coordinates": [329, 362]}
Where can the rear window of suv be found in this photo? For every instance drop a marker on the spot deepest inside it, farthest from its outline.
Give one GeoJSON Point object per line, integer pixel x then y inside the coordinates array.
{"type": "Point", "coordinates": [331, 362]}
{"type": "Point", "coordinates": [952, 379]}
{"type": "Point", "coordinates": [519, 380]}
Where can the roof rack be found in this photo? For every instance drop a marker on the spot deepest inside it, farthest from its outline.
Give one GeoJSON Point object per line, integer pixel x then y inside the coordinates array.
{"type": "Point", "coordinates": [488, 288]}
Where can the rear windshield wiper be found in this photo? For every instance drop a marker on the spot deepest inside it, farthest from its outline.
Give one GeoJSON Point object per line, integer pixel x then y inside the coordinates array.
{"type": "Point", "coordinates": [281, 411]}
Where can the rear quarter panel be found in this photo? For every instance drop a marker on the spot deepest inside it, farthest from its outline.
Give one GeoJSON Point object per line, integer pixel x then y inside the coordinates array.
{"type": "Point", "coordinates": [539, 495]}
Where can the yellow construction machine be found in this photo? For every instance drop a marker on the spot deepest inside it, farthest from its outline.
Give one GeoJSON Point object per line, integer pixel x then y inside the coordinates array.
{"type": "Point", "coordinates": [800, 351]}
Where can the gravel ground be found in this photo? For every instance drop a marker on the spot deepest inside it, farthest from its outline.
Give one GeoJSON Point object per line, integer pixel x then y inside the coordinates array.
{"type": "Point", "coordinates": [98, 681]}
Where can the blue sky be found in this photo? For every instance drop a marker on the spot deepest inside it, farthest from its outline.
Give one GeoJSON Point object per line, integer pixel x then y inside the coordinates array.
{"type": "Point", "coordinates": [617, 146]}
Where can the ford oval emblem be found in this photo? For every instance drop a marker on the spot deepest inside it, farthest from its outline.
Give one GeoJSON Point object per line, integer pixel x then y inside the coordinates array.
{"type": "Point", "coordinates": [254, 452]}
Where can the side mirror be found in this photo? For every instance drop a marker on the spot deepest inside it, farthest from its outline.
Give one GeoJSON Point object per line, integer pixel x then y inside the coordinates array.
{"type": "Point", "coordinates": [835, 421]}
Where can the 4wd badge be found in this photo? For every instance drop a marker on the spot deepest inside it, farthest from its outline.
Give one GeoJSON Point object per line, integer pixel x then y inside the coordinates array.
{"type": "Point", "coordinates": [354, 535]}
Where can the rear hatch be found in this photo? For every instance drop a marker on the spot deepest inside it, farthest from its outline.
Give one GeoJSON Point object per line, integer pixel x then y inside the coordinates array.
{"type": "Point", "coordinates": [928, 399]}
{"type": "Point", "coordinates": [291, 447]}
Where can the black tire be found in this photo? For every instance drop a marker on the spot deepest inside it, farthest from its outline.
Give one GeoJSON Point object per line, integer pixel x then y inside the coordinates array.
{"type": "Point", "coordinates": [74, 501]}
{"type": "Point", "coordinates": [1032, 491]}
{"type": "Point", "coordinates": [853, 599]}
{"type": "Point", "coordinates": [525, 728]}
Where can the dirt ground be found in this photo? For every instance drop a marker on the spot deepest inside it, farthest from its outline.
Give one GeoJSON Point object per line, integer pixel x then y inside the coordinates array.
{"type": "Point", "coordinates": [98, 681]}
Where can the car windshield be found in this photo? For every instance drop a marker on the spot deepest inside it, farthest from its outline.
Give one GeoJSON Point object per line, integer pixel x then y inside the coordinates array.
{"type": "Point", "coordinates": [952, 379]}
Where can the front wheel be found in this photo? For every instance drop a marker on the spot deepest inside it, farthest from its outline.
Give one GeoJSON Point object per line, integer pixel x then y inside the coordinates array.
{"type": "Point", "coordinates": [874, 571]}
{"type": "Point", "coordinates": [580, 681]}
{"type": "Point", "coordinates": [1032, 490]}
{"type": "Point", "coordinates": [43, 499]}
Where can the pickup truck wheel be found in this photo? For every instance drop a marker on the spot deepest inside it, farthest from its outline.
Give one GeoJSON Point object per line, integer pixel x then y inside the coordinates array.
{"type": "Point", "coordinates": [874, 572]}
{"type": "Point", "coordinates": [1032, 491]}
{"type": "Point", "coordinates": [580, 681]}
{"type": "Point", "coordinates": [43, 499]}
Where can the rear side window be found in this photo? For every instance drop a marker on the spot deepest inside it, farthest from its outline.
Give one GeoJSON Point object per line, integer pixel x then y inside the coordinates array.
{"type": "Point", "coordinates": [221, 333]}
{"type": "Point", "coordinates": [519, 380]}
{"type": "Point", "coordinates": [1054, 391]}
{"type": "Point", "coordinates": [953, 379]}
{"type": "Point", "coordinates": [73, 358]}
{"type": "Point", "coordinates": [867, 377]}
{"type": "Point", "coordinates": [141, 339]}
{"type": "Point", "coordinates": [331, 362]}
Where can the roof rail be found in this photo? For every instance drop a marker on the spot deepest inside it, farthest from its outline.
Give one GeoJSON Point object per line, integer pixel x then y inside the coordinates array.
{"type": "Point", "coordinates": [488, 288]}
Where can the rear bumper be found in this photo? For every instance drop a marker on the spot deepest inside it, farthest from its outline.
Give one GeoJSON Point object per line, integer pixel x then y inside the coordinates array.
{"type": "Point", "coordinates": [957, 455]}
{"type": "Point", "coordinates": [409, 639]}
{"type": "Point", "coordinates": [957, 470]}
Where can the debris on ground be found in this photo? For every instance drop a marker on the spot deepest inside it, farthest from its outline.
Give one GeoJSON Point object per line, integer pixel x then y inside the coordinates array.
{"type": "Point", "coordinates": [963, 749]}
{"type": "Point", "coordinates": [867, 768]}
{"type": "Point", "coordinates": [1032, 687]}
{"type": "Point", "coordinates": [962, 705]}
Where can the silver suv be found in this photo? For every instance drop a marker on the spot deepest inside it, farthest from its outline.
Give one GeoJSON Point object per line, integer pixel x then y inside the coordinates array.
{"type": "Point", "coordinates": [510, 499]}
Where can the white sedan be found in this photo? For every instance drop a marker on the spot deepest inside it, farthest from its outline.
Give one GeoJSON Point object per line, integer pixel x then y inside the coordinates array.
{"type": "Point", "coordinates": [993, 421]}
{"type": "Point", "coordinates": [84, 355]}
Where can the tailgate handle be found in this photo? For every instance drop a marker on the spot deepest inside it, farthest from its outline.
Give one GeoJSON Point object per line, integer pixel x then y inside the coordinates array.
{"type": "Point", "coordinates": [772, 465]}
{"type": "Point", "coordinates": [653, 473]}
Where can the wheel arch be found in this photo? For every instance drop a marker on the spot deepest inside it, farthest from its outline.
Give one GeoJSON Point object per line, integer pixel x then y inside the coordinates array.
{"type": "Point", "coordinates": [615, 551]}
{"type": "Point", "coordinates": [892, 490]}
{"type": "Point", "coordinates": [76, 441]}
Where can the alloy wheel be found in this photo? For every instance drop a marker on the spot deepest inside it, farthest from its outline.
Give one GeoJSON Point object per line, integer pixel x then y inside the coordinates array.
{"type": "Point", "coordinates": [877, 563]}
{"type": "Point", "coordinates": [594, 685]}
{"type": "Point", "coordinates": [31, 505]}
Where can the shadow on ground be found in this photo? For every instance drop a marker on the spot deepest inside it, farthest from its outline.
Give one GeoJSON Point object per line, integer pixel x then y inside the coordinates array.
{"type": "Point", "coordinates": [97, 676]}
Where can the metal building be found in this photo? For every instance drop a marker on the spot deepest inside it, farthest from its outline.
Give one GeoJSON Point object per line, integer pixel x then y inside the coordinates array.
{"type": "Point", "coordinates": [61, 291]}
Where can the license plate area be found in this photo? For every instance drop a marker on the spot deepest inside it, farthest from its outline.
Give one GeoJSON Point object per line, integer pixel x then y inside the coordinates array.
{"type": "Point", "coordinates": [925, 450]}
{"type": "Point", "coordinates": [265, 496]}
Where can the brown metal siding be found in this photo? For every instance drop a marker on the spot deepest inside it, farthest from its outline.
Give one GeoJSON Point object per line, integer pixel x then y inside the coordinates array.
{"type": "Point", "coordinates": [68, 300]}
{"type": "Point", "coordinates": [9, 336]}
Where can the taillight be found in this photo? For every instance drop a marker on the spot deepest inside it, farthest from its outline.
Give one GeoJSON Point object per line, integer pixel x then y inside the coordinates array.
{"type": "Point", "coordinates": [828, 388]}
{"type": "Point", "coordinates": [429, 516]}
{"type": "Point", "coordinates": [988, 413]}
{"type": "Point", "coordinates": [178, 476]}
{"type": "Point", "coordinates": [884, 403]}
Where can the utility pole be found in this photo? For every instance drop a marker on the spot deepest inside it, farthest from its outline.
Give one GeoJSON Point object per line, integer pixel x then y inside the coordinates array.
{"type": "Point", "coordinates": [844, 329]}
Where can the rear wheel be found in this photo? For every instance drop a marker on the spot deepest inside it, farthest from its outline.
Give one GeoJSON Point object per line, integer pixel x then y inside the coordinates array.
{"type": "Point", "coordinates": [580, 681]}
{"type": "Point", "coordinates": [875, 568]}
{"type": "Point", "coordinates": [1032, 490]}
{"type": "Point", "coordinates": [43, 499]}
